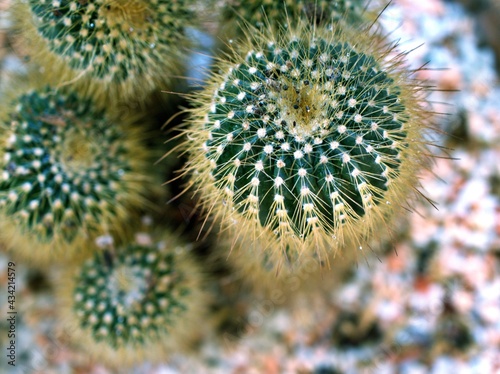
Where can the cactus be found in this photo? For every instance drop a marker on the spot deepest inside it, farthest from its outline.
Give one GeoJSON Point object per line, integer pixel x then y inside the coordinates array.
{"type": "Point", "coordinates": [67, 172]}
{"type": "Point", "coordinates": [356, 329]}
{"type": "Point", "coordinates": [308, 140]}
{"type": "Point", "coordinates": [123, 48]}
{"type": "Point", "coordinates": [134, 303]}
{"type": "Point", "coordinates": [258, 13]}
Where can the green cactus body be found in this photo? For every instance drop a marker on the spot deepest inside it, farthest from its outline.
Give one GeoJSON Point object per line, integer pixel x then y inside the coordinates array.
{"type": "Point", "coordinates": [296, 149]}
{"type": "Point", "coordinates": [279, 13]}
{"type": "Point", "coordinates": [126, 306]}
{"type": "Point", "coordinates": [136, 296]}
{"type": "Point", "coordinates": [126, 48]}
{"type": "Point", "coordinates": [307, 134]}
{"type": "Point", "coordinates": [257, 12]}
{"type": "Point", "coordinates": [67, 172]}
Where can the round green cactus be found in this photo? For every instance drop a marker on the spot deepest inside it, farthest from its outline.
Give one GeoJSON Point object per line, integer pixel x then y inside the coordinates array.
{"type": "Point", "coordinates": [311, 138]}
{"type": "Point", "coordinates": [125, 47]}
{"type": "Point", "coordinates": [67, 172]}
{"type": "Point", "coordinates": [132, 304]}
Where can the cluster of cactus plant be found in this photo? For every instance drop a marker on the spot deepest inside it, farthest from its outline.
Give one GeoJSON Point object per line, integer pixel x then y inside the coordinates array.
{"type": "Point", "coordinates": [302, 144]}
{"type": "Point", "coordinates": [77, 170]}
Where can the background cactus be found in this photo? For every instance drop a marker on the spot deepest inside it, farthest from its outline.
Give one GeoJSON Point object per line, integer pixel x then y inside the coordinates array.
{"type": "Point", "coordinates": [135, 302]}
{"type": "Point", "coordinates": [68, 172]}
{"type": "Point", "coordinates": [280, 13]}
{"type": "Point", "coordinates": [308, 138]}
{"type": "Point", "coordinates": [122, 48]}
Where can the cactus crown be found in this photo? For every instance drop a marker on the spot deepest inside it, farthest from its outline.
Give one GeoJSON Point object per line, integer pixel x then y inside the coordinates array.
{"type": "Point", "coordinates": [306, 132]}
{"type": "Point", "coordinates": [66, 167]}
{"type": "Point", "coordinates": [133, 296]}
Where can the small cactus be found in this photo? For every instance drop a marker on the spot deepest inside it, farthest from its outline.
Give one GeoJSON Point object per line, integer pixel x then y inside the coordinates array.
{"type": "Point", "coordinates": [134, 303]}
{"type": "Point", "coordinates": [124, 48]}
{"type": "Point", "coordinates": [67, 172]}
{"type": "Point", "coordinates": [259, 12]}
{"type": "Point", "coordinates": [309, 139]}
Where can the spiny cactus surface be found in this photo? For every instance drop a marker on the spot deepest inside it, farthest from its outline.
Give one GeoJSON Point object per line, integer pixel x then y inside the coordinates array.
{"type": "Point", "coordinates": [307, 133]}
{"type": "Point", "coordinates": [257, 13]}
{"type": "Point", "coordinates": [67, 170]}
{"type": "Point", "coordinates": [132, 303]}
{"type": "Point", "coordinates": [138, 295]}
{"type": "Point", "coordinates": [130, 44]}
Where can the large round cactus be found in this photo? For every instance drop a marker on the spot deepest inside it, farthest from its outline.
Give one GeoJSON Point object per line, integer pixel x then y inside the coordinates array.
{"type": "Point", "coordinates": [122, 48]}
{"type": "Point", "coordinates": [67, 172]}
{"type": "Point", "coordinates": [133, 304]}
{"type": "Point", "coordinates": [310, 139]}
